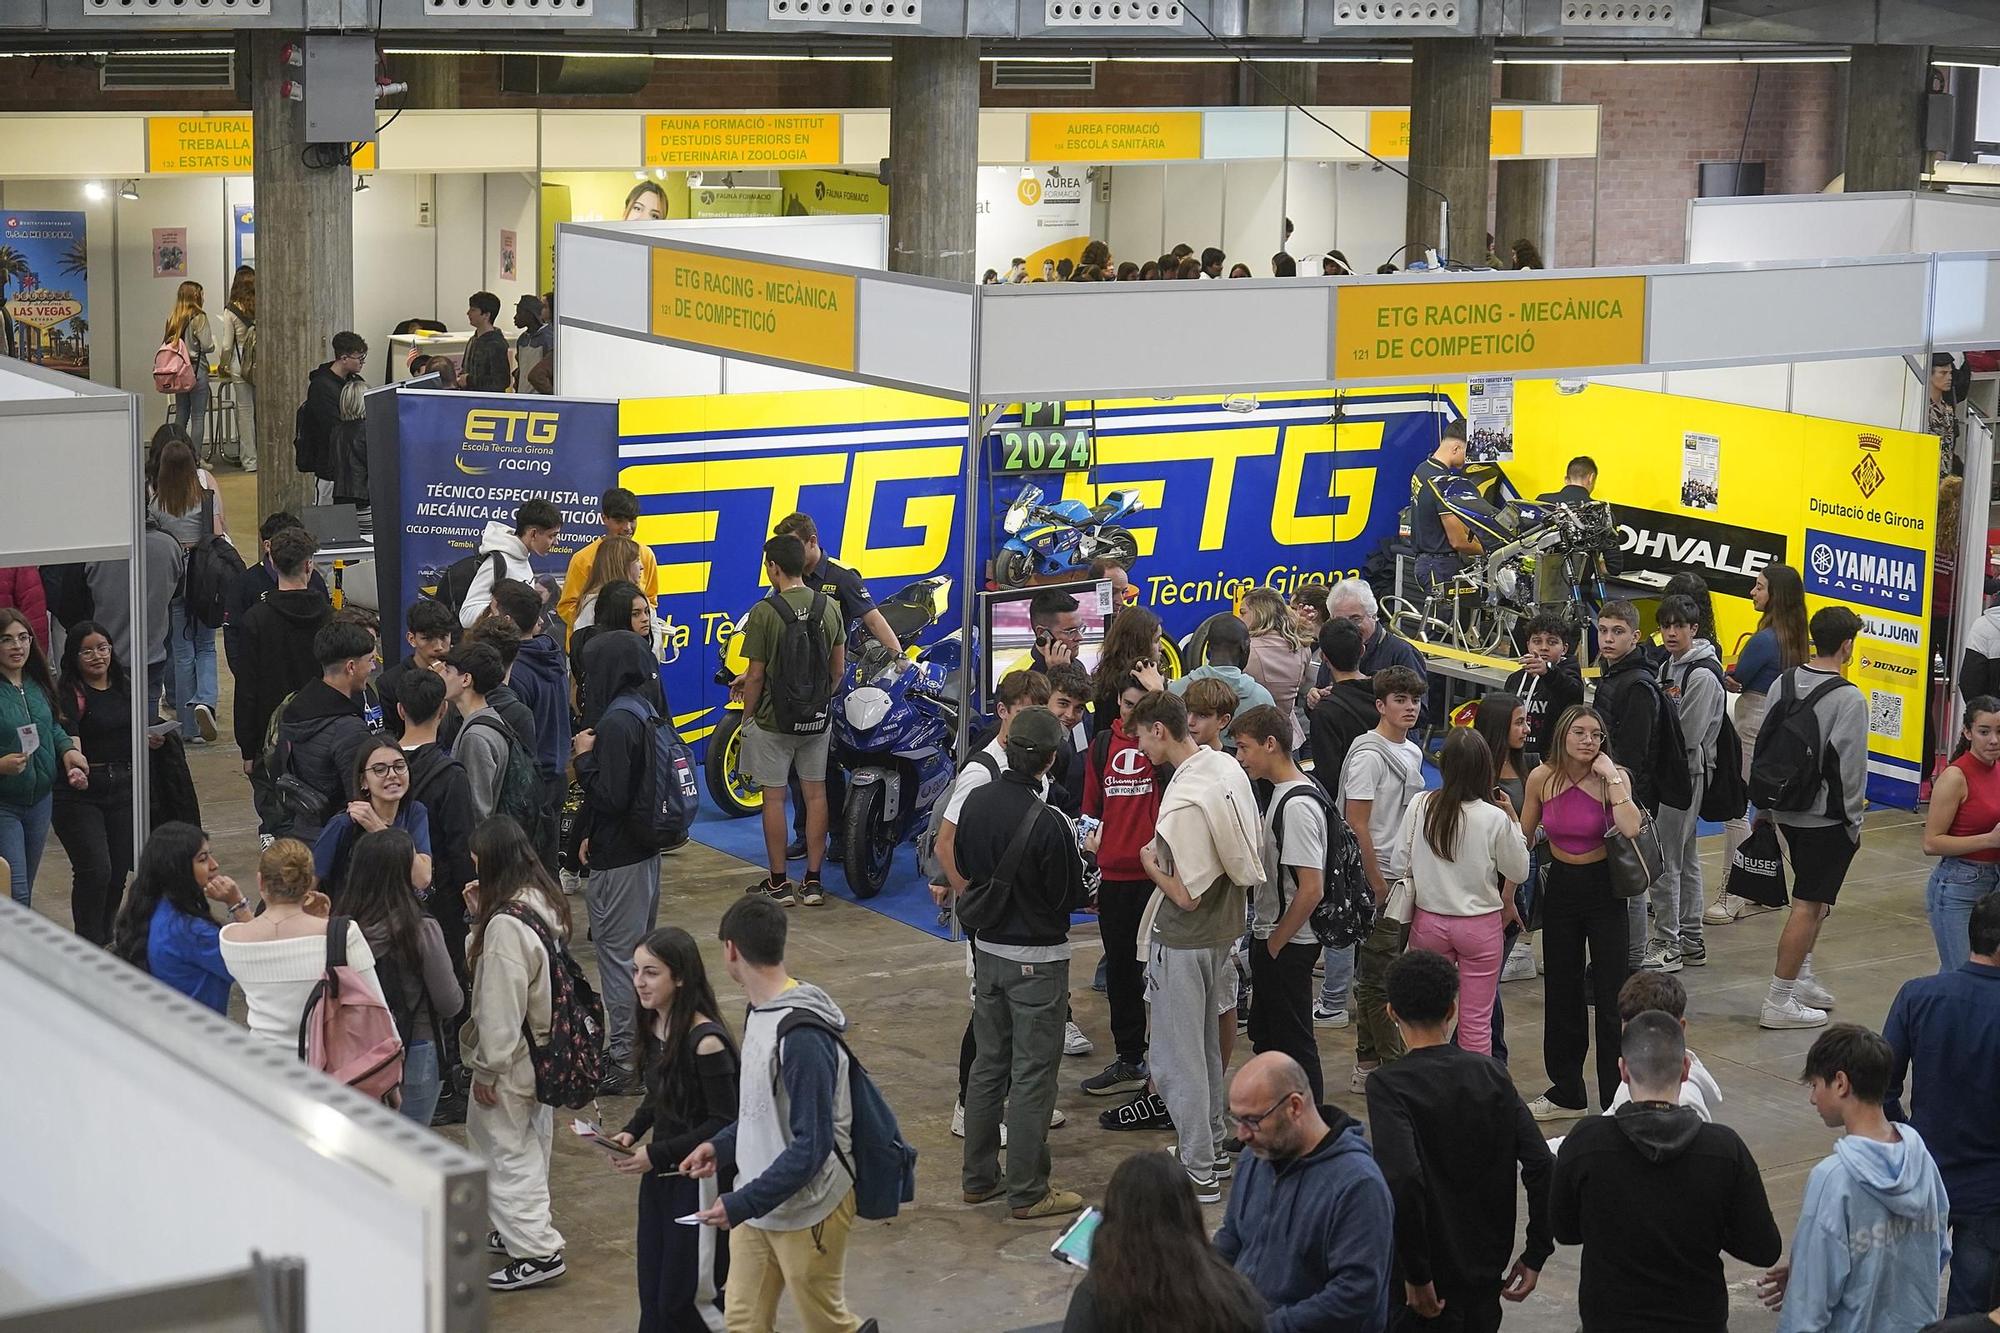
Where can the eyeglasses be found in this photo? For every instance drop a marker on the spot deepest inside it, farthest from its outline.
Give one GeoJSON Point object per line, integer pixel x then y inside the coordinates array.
{"type": "Point", "coordinates": [1249, 1123]}
{"type": "Point", "coordinates": [16, 640]}
{"type": "Point", "coordinates": [398, 767]}
{"type": "Point", "coordinates": [1596, 736]}
{"type": "Point", "coordinates": [101, 650]}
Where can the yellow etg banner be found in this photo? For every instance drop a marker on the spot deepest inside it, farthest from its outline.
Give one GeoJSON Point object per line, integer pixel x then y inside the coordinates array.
{"type": "Point", "coordinates": [1101, 136]}
{"type": "Point", "coordinates": [1422, 328]}
{"type": "Point", "coordinates": [1724, 491]}
{"type": "Point", "coordinates": [773, 310]}
{"type": "Point", "coordinates": [760, 139]}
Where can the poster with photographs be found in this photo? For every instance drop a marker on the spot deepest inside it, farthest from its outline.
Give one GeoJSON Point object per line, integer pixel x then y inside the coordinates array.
{"type": "Point", "coordinates": [1701, 468]}
{"type": "Point", "coordinates": [1489, 427]}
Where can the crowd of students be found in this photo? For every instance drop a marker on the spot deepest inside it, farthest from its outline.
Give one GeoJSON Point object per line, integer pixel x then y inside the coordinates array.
{"type": "Point", "coordinates": [1184, 263]}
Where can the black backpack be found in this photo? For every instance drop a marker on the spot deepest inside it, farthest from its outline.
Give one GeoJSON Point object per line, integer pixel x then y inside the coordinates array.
{"type": "Point", "coordinates": [458, 576]}
{"type": "Point", "coordinates": [884, 1165]}
{"type": "Point", "coordinates": [1724, 793]}
{"type": "Point", "coordinates": [568, 1069]}
{"type": "Point", "coordinates": [799, 676]}
{"type": "Point", "coordinates": [520, 794]}
{"type": "Point", "coordinates": [1346, 910]}
{"type": "Point", "coordinates": [1673, 784]}
{"type": "Point", "coordinates": [670, 800]}
{"type": "Point", "coordinates": [213, 566]}
{"type": "Point", "coordinates": [1792, 759]}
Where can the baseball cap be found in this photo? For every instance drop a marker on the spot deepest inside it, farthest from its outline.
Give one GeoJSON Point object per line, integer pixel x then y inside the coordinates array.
{"type": "Point", "coordinates": [1035, 734]}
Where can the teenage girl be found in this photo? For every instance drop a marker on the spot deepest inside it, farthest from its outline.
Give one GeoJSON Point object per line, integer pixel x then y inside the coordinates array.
{"type": "Point", "coordinates": [1962, 828]}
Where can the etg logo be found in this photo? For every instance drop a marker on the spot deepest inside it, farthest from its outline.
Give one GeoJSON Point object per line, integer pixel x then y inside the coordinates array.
{"type": "Point", "coordinates": [496, 426]}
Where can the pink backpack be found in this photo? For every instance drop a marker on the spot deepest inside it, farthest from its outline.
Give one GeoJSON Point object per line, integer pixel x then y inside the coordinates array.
{"type": "Point", "coordinates": [346, 1031]}
{"type": "Point", "coordinates": [173, 369]}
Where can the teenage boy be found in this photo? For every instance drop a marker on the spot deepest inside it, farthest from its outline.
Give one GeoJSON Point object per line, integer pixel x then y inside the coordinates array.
{"type": "Point", "coordinates": [1211, 706]}
{"type": "Point", "coordinates": [1871, 1240]}
{"type": "Point", "coordinates": [428, 627]}
{"type": "Point", "coordinates": [1629, 699]}
{"type": "Point", "coordinates": [325, 726]}
{"type": "Point", "coordinates": [1069, 700]}
{"type": "Point", "coordinates": [540, 677]}
{"type": "Point", "coordinates": [274, 657]}
{"type": "Point", "coordinates": [319, 417]}
{"type": "Point", "coordinates": [618, 511]}
{"type": "Point", "coordinates": [1383, 774]}
{"type": "Point", "coordinates": [1645, 991]}
{"type": "Point", "coordinates": [439, 781]}
{"type": "Point", "coordinates": [1121, 789]}
{"type": "Point", "coordinates": [1548, 684]}
{"type": "Point", "coordinates": [771, 756]}
{"type": "Point", "coordinates": [1450, 1133]}
{"type": "Point", "coordinates": [485, 368]}
{"type": "Point", "coordinates": [1344, 712]}
{"type": "Point", "coordinates": [623, 891]}
{"type": "Point", "coordinates": [1654, 1197]}
{"type": "Point", "coordinates": [793, 1204]}
{"type": "Point", "coordinates": [1228, 652]}
{"type": "Point", "coordinates": [1206, 853]}
{"type": "Point", "coordinates": [253, 585]}
{"type": "Point", "coordinates": [1692, 677]}
{"type": "Point", "coordinates": [471, 673]}
{"type": "Point", "coordinates": [536, 342]}
{"type": "Point", "coordinates": [1020, 987]}
{"type": "Point", "coordinates": [1283, 948]}
{"type": "Point", "coordinates": [1823, 837]}
{"type": "Point", "coordinates": [1944, 1034]}
{"type": "Point", "coordinates": [497, 632]}
{"type": "Point", "coordinates": [537, 524]}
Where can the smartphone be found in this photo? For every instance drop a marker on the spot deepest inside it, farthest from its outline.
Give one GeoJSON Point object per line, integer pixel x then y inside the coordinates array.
{"type": "Point", "coordinates": [595, 1136]}
{"type": "Point", "coordinates": [1073, 1246]}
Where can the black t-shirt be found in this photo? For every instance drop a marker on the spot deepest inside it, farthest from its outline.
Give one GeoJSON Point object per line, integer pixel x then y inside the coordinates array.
{"type": "Point", "coordinates": [102, 728]}
{"type": "Point", "coordinates": [844, 586]}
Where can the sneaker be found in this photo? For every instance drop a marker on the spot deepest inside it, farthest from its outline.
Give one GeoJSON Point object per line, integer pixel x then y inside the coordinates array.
{"type": "Point", "coordinates": [1207, 1189]}
{"type": "Point", "coordinates": [450, 1111]}
{"type": "Point", "coordinates": [985, 1195]}
{"type": "Point", "coordinates": [1693, 953]}
{"type": "Point", "coordinates": [204, 721]}
{"type": "Point", "coordinates": [527, 1273]}
{"type": "Point", "coordinates": [1074, 1042]}
{"type": "Point", "coordinates": [1729, 908]}
{"type": "Point", "coordinates": [1543, 1109]}
{"type": "Point", "coordinates": [1661, 959]}
{"type": "Point", "coordinates": [1323, 1017]}
{"type": "Point", "coordinates": [1358, 1080]}
{"type": "Point", "coordinates": [784, 895]}
{"type": "Point", "coordinates": [795, 850]}
{"type": "Point", "coordinates": [1791, 1014]}
{"type": "Point", "coordinates": [572, 883]}
{"type": "Point", "coordinates": [1117, 1077]}
{"type": "Point", "coordinates": [195, 741]}
{"type": "Point", "coordinates": [618, 1081]}
{"type": "Point", "coordinates": [264, 841]}
{"type": "Point", "coordinates": [1148, 1112]}
{"type": "Point", "coordinates": [494, 1245]}
{"type": "Point", "coordinates": [1225, 1166]}
{"type": "Point", "coordinates": [1056, 1203]}
{"type": "Point", "coordinates": [1811, 994]}
{"type": "Point", "coordinates": [1520, 962]}
{"type": "Point", "coordinates": [811, 894]}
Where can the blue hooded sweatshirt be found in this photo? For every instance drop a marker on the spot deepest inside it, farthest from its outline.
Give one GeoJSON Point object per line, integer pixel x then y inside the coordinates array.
{"type": "Point", "coordinates": [1871, 1242]}
{"type": "Point", "coordinates": [1314, 1235]}
{"type": "Point", "coordinates": [541, 677]}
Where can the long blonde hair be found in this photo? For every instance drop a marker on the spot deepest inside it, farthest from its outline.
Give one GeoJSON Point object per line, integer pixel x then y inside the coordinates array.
{"type": "Point", "coordinates": [613, 561]}
{"type": "Point", "coordinates": [1265, 612]}
{"type": "Point", "coordinates": [187, 309]}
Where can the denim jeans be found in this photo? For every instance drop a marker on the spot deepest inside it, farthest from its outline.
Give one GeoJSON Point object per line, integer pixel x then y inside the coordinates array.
{"type": "Point", "coordinates": [193, 647]}
{"type": "Point", "coordinates": [421, 1084]}
{"type": "Point", "coordinates": [1975, 1263]}
{"type": "Point", "coordinates": [1339, 977]}
{"type": "Point", "coordinates": [1954, 886]}
{"type": "Point", "coordinates": [191, 408]}
{"type": "Point", "coordinates": [24, 829]}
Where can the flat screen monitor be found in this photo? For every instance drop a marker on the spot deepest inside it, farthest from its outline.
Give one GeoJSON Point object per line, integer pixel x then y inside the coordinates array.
{"type": "Point", "coordinates": [1009, 630]}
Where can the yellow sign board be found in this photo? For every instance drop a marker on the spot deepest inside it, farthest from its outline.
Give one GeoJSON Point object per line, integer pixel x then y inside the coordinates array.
{"type": "Point", "coordinates": [1114, 136]}
{"type": "Point", "coordinates": [1421, 328]}
{"type": "Point", "coordinates": [1389, 133]}
{"type": "Point", "coordinates": [212, 146]}
{"type": "Point", "coordinates": [758, 139]}
{"type": "Point", "coordinates": [772, 310]}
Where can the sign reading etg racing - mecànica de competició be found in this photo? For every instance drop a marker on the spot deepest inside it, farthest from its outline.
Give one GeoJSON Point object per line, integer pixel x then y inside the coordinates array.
{"type": "Point", "coordinates": [1420, 327]}
{"type": "Point", "coordinates": [770, 310]}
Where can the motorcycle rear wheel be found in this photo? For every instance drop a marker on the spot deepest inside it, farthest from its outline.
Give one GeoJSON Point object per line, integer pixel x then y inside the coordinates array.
{"type": "Point", "coordinates": [1116, 543]}
{"type": "Point", "coordinates": [869, 844]}
{"type": "Point", "coordinates": [728, 785]}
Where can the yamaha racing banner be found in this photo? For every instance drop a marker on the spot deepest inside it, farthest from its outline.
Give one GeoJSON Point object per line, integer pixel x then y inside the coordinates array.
{"type": "Point", "coordinates": [1723, 491]}
{"type": "Point", "coordinates": [1232, 493]}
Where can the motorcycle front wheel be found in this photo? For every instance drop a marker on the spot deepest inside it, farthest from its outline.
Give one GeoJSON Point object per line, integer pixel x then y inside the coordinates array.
{"type": "Point", "coordinates": [1011, 569]}
{"type": "Point", "coordinates": [869, 842]}
{"type": "Point", "coordinates": [728, 785]}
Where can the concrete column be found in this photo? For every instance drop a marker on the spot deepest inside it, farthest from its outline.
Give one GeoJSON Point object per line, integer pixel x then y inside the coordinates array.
{"type": "Point", "coordinates": [305, 270]}
{"type": "Point", "coordinates": [933, 156]}
{"type": "Point", "coordinates": [433, 82]}
{"type": "Point", "coordinates": [1524, 204]}
{"type": "Point", "coordinates": [1451, 109]}
{"type": "Point", "coordinates": [1886, 90]}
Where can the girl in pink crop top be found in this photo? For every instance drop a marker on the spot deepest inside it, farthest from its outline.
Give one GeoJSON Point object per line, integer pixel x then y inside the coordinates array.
{"type": "Point", "coordinates": [1576, 821]}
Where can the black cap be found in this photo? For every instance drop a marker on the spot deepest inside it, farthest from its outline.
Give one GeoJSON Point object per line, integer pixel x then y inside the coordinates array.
{"type": "Point", "coordinates": [1034, 734]}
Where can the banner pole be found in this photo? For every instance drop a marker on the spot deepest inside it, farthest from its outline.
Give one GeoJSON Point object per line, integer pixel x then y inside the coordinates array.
{"type": "Point", "coordinates": [968, 597]}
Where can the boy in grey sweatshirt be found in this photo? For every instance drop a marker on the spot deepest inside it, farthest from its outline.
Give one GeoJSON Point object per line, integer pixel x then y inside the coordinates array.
{"type": "Point", "coordinates": [1691, 675]}
{"type": "Point", "coordinates": [1822, 838]}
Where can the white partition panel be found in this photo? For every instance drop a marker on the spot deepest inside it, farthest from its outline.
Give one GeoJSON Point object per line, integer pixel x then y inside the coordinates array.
{"type": "Point", "coordinates": [1740, 316]}
{"type": "Point", "coordinates": [593, 363]}
{"type": "Point", "coordinates": [1877, 390]}
{"type": "Point", "coordinates": [1136, 338]}
{"type": "Point", "coordinates": [1944, 223]}
{"type": "Point", "coordinates": [1968, 302]}
{"type": "Point", "coordinates": [600, 280]}
{"type": "Point", "coordinates": [915, 331]}
{"type": "Point", "coordinates": [63, 439]}
{"type": "Point", "coordinates": [1811, 226]}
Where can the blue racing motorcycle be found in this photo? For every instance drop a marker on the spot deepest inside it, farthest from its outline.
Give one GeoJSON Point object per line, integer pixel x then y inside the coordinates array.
{"type": "Point", "coordinates": [1050, 541]}
{"type": "Point", "coordinates": [895, 725]}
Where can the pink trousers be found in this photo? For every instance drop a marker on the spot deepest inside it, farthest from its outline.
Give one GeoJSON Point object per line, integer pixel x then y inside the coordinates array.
{"type": "Point", "coordinates": [1475, 944]}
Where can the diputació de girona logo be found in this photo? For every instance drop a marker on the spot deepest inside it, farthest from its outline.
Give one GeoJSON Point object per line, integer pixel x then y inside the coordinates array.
{"type": "Point", "coordinates": [1868, 474]}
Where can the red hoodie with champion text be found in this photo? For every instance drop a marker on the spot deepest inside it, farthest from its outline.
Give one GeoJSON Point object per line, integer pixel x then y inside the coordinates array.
{"type": "Point", "coordinates": [1121, 788]}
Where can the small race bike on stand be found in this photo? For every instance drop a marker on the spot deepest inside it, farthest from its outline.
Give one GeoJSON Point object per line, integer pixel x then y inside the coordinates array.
{"type": "Point", "coordinates": [1051, 541]}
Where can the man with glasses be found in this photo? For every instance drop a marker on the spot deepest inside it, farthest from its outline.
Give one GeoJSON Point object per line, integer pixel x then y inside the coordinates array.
{"type": "Point", "coordinates": [1353, 600]}
{"type": "Point", "coordinates": [1310, 1223]}
{"type": "Point", "coordinates": [320, 414]}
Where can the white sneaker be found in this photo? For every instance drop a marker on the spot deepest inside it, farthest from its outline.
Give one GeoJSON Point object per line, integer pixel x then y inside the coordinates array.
{"type": "Point", "coordinates": [1074, 1042]}
{"type": "Point", "coordinates": [1661, 959]}
{"type": "Point", "coordinates": [958, 1120]}
{"type": "Point", "coordinates": [1520, 962]}
{"type": "Point", "coordinates": [572, 883]}
{"type": "Point", "coordinates": [1791, 1014]}
{"type": "Point", "coordinates": [1729, 908]}
{"type": "Point", "coordinates": [1358, 1080]}
{"type": "Point", "coordinates": [264, 841]}
{"type": "Point", "coordinates": [1543, 1109]}
{"type": "Point", "coordinates": [1812, 994]}
{"type": "Point", "coordinates": [1056, 1121]}
{"type": "Point", "coordinates": [1324, 1017]}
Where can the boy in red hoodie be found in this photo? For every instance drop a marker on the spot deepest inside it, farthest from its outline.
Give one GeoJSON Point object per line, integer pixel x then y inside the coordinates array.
{"type": "Point", "coordinates": [1122, 789]}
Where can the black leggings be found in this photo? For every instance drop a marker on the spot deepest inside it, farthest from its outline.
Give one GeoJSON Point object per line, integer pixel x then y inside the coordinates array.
{"type": "Point", "coordinates": [1581, 914]}
{"type": "Point", "coordinates": [95, 829]}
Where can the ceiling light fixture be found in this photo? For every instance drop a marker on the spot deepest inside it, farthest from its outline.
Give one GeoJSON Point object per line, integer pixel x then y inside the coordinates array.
{"type": "Point", "coordinates": [129, 190]}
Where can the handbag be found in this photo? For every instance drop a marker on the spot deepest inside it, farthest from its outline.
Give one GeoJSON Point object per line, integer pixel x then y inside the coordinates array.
{"type": "Point", "coordinates": [1757, 871]}
{"type": "Point", "coordinates": [1401, 904]}
{"type": "Point", "coordinates": [1636, 861]}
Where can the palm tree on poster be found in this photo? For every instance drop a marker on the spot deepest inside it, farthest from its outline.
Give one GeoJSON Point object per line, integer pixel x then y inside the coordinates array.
{"type": "Point", "coordinates": [79, 329]}
{"type": "Point", "coordinates": [75, 262]}
{"type": "Point", "coordinates": [14, 267]}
